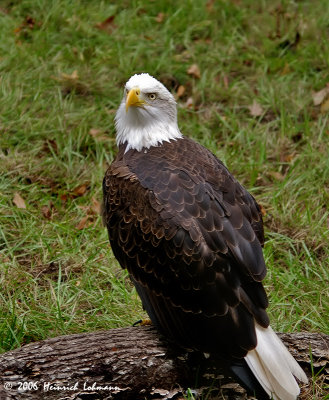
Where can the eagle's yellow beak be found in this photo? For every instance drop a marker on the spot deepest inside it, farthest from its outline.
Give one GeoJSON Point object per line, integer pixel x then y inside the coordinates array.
{"type": "Point", "coordinates": [133, 98]}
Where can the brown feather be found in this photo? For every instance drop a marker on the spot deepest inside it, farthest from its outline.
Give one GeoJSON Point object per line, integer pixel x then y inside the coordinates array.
{"type": "Point", "coordinates": [191, 238]}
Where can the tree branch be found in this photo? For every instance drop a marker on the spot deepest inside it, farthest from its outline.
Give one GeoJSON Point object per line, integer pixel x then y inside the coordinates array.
{"type": "Point", "coordinates": [129, 363]}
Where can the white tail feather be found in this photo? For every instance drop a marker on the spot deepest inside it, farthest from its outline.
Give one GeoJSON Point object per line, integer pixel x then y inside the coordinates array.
{"type": "Point", "coordinates": [274, 367]}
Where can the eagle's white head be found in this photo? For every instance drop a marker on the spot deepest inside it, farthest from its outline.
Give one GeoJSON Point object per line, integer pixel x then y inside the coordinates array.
{"type": "Point", "coordinates": [147, 115]}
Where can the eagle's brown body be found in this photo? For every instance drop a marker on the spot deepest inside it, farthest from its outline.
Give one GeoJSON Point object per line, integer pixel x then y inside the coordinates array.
{"type": "Point", "coordinates": [191, 238]}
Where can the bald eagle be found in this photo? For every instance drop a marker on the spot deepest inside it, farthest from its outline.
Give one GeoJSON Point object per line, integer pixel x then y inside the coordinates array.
{"type": "Point", "coordinates": [191, 236]}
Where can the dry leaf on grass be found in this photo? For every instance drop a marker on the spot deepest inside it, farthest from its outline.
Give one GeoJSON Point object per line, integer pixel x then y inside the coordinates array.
{"type": "Point", "coordinates": [64, 197]}
{"type": "Point", "coordinates": [80, 190]}
{"type": "Point", "coordinates": [96, 207]}
{"type": "Point", "coordinates": [189, 103]}
{"type": "Point", "coordinates": [91, 212]}
{"type": "Point", "coordinates": [160, 17]}
{"type": "Point", "coordinates": [288, 157]}
{"type": "Point", "coordinates": [286, 69]}
{"type": "Point", "coordinates": [180, 91]}
{"type": "Point", "coordinates": [93, 209]}
{"type": "Point", "coordinates": [97, 134]}
{"type": "Point", "coordinates": [19, 201]}
{"type": "Point", "coordinates": [94, 132]}
{"type": "Point", "coordinates": [194, 70]}
{"type": "Point", "coordinates": [319, 96]}
{"type": "Point", "coordinates": [28, 24]}
{"type": "Point", "coordinates": [255, 109]}
{"type": "Point", "coordinates": [76, 192]}
{"type": "Point", "coordinates": [46, 212]}
{"type": "Point", "coordinates": [107, 25]}
{"type": "Point", "coordinates": [325, 106]}
{"type": "Point", "coordinates": [84, 223]}
{"type": "Point", "coordinates": [67, 78]}
{"type": "Point", "coordinates": [276, 175]}
{"type": "Point", "coordinates": [70, 77]}
{"type": "Point", "coordinates": [226, 81]}
{"type": "Point", "coordinates": [210, 5]}
{"type": "Point", "coordinates": [72, 82]}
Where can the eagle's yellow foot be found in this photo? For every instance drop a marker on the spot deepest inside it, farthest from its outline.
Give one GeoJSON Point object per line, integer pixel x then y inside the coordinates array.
{"type": "Point", "coordinates": [146, 321]}
{"type": "Point", "coordinates": [143, 322]}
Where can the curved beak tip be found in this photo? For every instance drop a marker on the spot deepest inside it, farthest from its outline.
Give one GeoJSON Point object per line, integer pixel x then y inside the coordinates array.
{"type": "Point", "coordinates": [132, 98]}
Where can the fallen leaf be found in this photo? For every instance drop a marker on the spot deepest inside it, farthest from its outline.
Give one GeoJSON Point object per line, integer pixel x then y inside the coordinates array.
{"type": "Point", "coordinates": [73, 77]}
{"type": "Point", "coordinates": [180, 91]}
{"type": "Point", "coordinates": [225, 81]}
{"type": "Point", "coordinates": [80, 190]}
{"type": "Point", "coordinates": [19, 201]}
{"type": "Point", "coordinates": [96, 207]}
{"type": "Point", "coordinates": [160, 17]}
{"type": "Point", "coordinates": [325, 106]}
{"type": "Point", "coordinates": [29, 23]}
{"type": "Point", "coordinates": [46, 212]}
{"type": "Point", "coordinates": [64, 197]}
{"type": "Point", "coordinates": [276, 175]}
{"type": "Point", "coordinates": [210, 5]}
{"type": "Point", "coordinates": [183, 55]}
{"type": "Point", "coordinates": [255, 109]}
{"type": "Point", "coordinates": [194, 70]}
{"type": "Point", "coordinates": [319, 96]}
{"type": "Point", "coordinates": [286, 69]}
{"type": "Point", "coordinates": [189, 102]}
{"type": "Point", "coordinates": [97, 134]}
{"type": "Point", "coordinates": [107, 25]}
{"type": "Point", "coordinates": [83, 223]}
{"type": "Point", "coordinates": [288, 157]}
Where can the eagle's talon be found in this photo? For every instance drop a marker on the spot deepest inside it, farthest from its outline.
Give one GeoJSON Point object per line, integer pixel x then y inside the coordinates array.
{"type": "Point", "coordinates": [143, 322]}
{"type": "Point", "coordinates": [146, 322]}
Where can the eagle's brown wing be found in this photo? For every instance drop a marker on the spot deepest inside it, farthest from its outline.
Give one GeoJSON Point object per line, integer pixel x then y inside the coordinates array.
{"type": "Point", "coordinates": [191, 238]}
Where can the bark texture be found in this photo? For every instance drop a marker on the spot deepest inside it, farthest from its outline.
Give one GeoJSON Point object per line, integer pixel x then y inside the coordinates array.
{"type": "Point", "coordinates": [131, 363]}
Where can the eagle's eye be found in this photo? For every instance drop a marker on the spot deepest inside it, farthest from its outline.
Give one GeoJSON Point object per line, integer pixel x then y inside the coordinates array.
{"type": "Point", "coordinates": [152, 96]}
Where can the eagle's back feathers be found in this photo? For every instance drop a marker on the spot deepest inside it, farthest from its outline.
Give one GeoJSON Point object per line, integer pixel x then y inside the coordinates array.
{"type": "Point", "coordinates": [191, 237]}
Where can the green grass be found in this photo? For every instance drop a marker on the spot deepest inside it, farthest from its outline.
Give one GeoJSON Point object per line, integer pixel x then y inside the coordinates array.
{"type": "Point", "coordinates": [57, 279]}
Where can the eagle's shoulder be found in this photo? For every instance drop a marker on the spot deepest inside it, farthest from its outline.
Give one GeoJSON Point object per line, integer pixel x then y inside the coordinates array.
{"type": "Point", "coordinates": [181, 192]}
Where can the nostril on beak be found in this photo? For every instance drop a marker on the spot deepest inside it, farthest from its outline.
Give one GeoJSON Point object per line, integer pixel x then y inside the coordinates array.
{"type": "Point", "coordinates": [138, 92]}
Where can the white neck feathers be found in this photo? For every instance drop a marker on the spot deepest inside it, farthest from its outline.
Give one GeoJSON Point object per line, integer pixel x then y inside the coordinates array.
{"type": "Point", "coordinates": [140, 130]}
